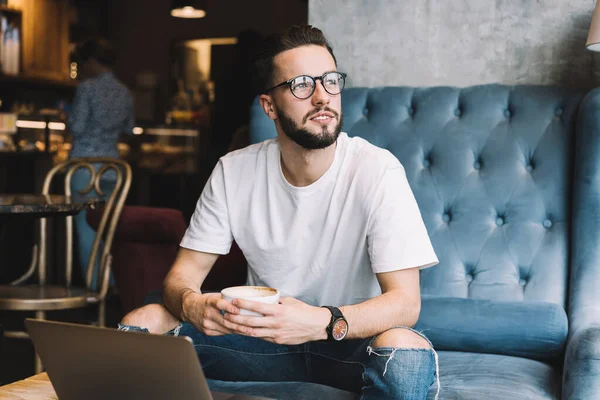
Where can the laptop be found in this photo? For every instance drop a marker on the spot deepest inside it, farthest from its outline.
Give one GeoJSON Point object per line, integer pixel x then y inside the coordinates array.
{"type": "Point", "coordinates": [87, 362]}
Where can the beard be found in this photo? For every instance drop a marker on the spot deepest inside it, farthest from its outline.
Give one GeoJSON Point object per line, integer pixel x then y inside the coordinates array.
{"type": "Point", "coordinates": [307, 139]}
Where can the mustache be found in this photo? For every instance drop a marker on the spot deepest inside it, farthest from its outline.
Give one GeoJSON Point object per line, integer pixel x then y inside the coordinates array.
{"type": "Point", "coordinates": [318, 110]}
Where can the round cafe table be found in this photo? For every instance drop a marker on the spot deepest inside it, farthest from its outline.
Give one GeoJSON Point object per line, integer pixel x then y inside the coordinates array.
{"type": "Point", "coordinates": [19, 208]}
{"type": "Point", "coordinates": [45, 205]}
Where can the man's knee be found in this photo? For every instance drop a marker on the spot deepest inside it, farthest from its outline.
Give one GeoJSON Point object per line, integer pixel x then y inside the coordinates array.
{"type": "Point", "coordinates": [401, 338]}
{"type": "Point", "coordinates": [141, 315]}
{"type": "Point", "coordinates": [152, 316]}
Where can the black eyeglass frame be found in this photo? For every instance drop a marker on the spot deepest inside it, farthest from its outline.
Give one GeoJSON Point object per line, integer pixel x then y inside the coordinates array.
{"type": "Point", "coordinates": [314, 78]}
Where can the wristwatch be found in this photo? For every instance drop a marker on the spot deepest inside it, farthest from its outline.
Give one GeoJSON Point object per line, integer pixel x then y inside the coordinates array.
{"type": "Point", "coordinates": [338, 326]}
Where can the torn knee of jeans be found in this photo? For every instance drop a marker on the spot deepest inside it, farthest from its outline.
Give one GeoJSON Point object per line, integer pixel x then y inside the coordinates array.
{"type": "Point", "coordinates": [131, 328]}
{"type": "Point", "coordinates": [382, 351]}
{"type": "Point", "coordinates": [370, 351]}
{"type": "Point", "coordinates": [402, 337]}
{"type": "Point", "coordinates": [392, 351]}
{"type": "Point", "coordinates": [175, 331]}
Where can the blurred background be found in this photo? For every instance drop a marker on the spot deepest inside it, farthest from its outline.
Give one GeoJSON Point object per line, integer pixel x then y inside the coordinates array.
{"type": "Point", "coordinates": [189, 78]}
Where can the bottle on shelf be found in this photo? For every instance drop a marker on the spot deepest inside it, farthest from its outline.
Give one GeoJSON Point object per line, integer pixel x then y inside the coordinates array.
{"type": "Point", "coordinates": [3, 28]}
{"type": "Point", "coordinates": [10, 48]}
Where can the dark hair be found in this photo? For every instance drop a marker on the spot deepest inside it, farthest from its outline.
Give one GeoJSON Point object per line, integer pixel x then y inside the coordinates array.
{"type": "Point", "coordinates": [98, 49]}
{"type": "Point", "coordinates": [296, 36]}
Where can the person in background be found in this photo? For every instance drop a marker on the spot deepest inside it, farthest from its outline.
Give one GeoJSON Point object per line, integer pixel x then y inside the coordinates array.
{"type": "Point", "coordinates": [102, 110]}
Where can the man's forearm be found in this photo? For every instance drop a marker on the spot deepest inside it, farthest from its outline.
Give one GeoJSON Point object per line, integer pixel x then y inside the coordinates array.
{"type": "Point", "coordinates": [376, 315]}
{"type": "Point", "coordinates": [185, 277]}
{"type": "Point", "coordinates": [174, 290]}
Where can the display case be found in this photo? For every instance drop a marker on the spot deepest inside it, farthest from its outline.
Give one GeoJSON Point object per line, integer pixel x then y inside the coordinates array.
{"type": "Point", "coordinates": [34, 133]}
{"type": "Point", "coordinates": [42, 133]}
{"type": "Point", "coordinates": [163, 149]}
{"type": "Point", "coordinates": [8, 128]}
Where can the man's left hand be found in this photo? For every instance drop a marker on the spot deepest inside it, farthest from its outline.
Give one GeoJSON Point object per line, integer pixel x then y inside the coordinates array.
{"type": "Point", "coordinates": [289, 322]}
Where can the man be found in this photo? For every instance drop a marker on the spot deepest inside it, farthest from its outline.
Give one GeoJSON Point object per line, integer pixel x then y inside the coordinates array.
{"type": "Point", "coordinates": [326, 219]}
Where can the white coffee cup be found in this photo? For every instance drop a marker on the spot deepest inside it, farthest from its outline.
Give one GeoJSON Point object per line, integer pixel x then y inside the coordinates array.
{"type": "Point", "coordinates": [260, 294]}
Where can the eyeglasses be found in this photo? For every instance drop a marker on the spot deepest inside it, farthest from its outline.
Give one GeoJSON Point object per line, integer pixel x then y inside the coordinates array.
{"type": "Point", "coordinates": [304, 86]}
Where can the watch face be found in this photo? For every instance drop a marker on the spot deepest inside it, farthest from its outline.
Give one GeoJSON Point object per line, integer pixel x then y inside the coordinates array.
{"type": "Point", "coordinates": [340, 329]}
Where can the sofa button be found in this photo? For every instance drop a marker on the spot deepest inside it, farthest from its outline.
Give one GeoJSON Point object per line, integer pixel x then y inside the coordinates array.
{"type": "Point", "coordinates": [426, 163]}
{"type": "Point", "coordinates": [499, 221]}
{"type": "Point", "coordinates": [446, 217]}
{"type": "Point", "coordinates": [477, 165]}
{"type": "Point", "coordinates": [457, 112]}
{"type": "Point", "coordinates": [507, 113]}
{"type": "Point", "coordinates": [365, 111]}
{"type": "Point", "coordinates": [411, 111]}
{"type": "Point", "coordinates": [469, 278]}
{"type": "Point", "coordinates": [547, 223]}
{"type": "Point", "coordinates": [558, 112]}
{"type": "Point", "coordinates": [529, 168]}
{"type": "Point", "coordinates": [522, 282]}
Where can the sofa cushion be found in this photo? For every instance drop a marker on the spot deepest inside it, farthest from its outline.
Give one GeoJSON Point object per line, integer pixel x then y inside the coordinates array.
{"type": "Point", "coordinates": [464, 376]}
{"type": "Point", "coordinates": [527, 329]}
{"type": "Point", "coordinates": [471, 376]}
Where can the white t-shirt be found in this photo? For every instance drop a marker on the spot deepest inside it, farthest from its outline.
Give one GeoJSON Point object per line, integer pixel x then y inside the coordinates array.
{"type": "Point", "coordinates": [322, 243]}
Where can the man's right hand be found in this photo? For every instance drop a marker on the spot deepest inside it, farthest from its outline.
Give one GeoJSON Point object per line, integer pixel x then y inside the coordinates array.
{"type": "Point", "coordinates": [204, 311]}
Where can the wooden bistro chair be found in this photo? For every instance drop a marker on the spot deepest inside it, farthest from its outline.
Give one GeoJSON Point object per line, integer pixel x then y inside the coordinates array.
{"type": "Point", "coordinates": [41, 296]}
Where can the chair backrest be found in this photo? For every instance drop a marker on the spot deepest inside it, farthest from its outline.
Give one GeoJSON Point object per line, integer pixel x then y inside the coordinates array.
{"type": "Point", "coordinates": [146, 245]}
{"type": "Point", "coordinates": [490, 167]}
{"type": "Point", "coordinates": [95, 169]}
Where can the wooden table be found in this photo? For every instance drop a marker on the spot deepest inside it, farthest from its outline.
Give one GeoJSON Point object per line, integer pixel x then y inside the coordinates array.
{"type": "Point", "coordinates": [37, 387]}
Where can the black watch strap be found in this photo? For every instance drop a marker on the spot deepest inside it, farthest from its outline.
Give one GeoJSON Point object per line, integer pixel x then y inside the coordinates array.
{"type": "Point", "coordinates": [336, 314]}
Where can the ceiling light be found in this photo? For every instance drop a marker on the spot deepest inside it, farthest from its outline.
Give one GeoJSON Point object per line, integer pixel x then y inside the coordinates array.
{"type": "Point", "coordinates": [188, 9]}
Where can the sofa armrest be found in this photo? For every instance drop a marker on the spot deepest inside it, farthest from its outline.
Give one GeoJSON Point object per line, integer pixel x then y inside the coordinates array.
{"type": "Point", "coordinates": [582, 365]}
{"type": "Point", "coordinates": [581, 378]}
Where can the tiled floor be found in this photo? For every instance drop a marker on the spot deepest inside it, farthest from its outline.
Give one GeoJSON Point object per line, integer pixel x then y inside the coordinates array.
{"type": "Point", "coordinates": [16, 355]}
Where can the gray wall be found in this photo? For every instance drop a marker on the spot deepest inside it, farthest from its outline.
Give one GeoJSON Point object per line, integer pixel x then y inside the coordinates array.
{"type": "Point", "coordinates": [460, 42]}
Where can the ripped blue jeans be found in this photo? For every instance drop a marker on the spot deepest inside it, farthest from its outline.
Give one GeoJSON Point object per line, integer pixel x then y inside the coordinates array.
{"type": "Point", "coordinates": [351, 365]}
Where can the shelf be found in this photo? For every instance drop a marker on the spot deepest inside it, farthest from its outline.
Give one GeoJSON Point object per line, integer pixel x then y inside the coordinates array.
{"type": "Point", "coordinates": [37, 81]}
{"type": "Point", "coordinates": [172, 132]}
{"type": "Point", "coordinates": [6, 9]}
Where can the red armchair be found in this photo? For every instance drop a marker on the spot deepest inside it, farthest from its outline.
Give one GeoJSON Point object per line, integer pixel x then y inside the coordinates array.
{"type": "Point", "coordinates": [144, 248]}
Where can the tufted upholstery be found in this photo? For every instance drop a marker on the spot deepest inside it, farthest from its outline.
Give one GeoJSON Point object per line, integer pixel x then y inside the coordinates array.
{"type": "Point", "coordinates": [494, 169]}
